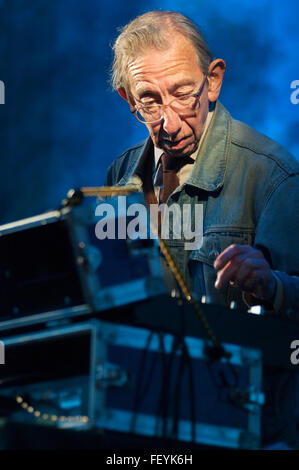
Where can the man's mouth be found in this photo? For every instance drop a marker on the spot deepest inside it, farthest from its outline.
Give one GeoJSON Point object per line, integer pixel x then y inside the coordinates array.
{"type": "Point", "coordinates": [177, 144]}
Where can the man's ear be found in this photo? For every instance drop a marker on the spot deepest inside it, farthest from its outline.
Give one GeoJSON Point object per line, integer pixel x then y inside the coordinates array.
{"type": "Point", "coordinates": [215, 77]}
{"type": "Point", "coordinates": [122, 93]}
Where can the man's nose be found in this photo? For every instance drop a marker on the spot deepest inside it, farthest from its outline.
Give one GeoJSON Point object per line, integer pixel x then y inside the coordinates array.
{"type": "Point", "coordinates": [171, 121]}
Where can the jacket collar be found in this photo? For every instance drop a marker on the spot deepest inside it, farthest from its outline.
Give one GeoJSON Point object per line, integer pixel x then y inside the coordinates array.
{"type": "Point", "coordinates": [210, 165]}
{"type": "Point", "coordinates": [140, 160]}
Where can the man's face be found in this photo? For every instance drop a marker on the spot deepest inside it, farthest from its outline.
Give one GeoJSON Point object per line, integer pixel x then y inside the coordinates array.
{"type": "Point", "coordinates": [161, 76]}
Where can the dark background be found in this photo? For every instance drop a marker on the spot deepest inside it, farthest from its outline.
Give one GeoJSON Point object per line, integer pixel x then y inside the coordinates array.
{"type": "Point", "coordinates": [61, 125]}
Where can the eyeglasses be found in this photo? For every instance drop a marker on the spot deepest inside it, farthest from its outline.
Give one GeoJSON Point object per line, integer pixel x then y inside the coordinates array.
{"type": "Point", "coordinates": [153, 113]}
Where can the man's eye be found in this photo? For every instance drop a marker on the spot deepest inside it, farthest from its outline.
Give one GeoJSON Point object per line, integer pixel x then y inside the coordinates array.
{"type": "Point", "coordinates": [148, 104]}
{"type": "Point", "coordinates": [182, 97]}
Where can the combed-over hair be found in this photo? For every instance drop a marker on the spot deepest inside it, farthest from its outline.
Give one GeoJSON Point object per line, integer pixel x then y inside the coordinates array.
{"type": "Point", "coordinates": [153, 30]}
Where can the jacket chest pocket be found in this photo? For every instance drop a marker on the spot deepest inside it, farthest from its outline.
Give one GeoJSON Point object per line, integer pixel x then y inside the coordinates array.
{"type": "Point", "coordinates": [201, 262]}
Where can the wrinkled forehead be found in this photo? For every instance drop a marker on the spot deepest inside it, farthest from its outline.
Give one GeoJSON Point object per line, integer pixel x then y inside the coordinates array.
{"type": "Point", "coordinates": [176, 61]}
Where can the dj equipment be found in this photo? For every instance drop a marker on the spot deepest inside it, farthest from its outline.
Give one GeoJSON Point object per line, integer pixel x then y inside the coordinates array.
{"type": "Point", "coordinates": [55, 266]}
{"type": "Point", "coordinates": [134, 380]}
{"type": "Point", "coordinates": [50, 374]}
{"type": "Point", "coordinates": [157, 384]}
{"type": "Point", "coordinates": [271, 334]}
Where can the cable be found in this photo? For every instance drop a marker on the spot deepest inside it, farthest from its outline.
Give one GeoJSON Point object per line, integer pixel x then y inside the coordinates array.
{"type": "Point", "coordinates": [190, 368]}
{"type": "Point", "coordinates": [48, 416]}
{"type": "Point", "coordinates": [219, 350]}
{"type": "Point", "coordinates": [138, 390]}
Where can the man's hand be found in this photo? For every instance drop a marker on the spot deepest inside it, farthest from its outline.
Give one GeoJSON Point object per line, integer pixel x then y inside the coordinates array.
{"type": "Point", "coordinates": [245, 267]}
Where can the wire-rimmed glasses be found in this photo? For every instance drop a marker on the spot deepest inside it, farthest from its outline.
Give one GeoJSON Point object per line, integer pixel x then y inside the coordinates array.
{"type": "Point", "coordinates": [153, 113]}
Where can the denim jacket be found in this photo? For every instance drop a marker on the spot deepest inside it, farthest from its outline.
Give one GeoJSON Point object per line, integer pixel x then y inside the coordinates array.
{"type": "Point", "coordinates": [249, 187]}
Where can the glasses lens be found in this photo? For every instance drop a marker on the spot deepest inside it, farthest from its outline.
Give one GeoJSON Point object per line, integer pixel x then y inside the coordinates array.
{"type": "Point", "coordinates": [184, 104]}
{"type": "Point", "coordinates": [149, 113]}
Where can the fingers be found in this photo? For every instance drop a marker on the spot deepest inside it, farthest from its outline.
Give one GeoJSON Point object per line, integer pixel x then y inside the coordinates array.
{"type": "Point", "coordinates": [232, 251]}
{"type": "Point", "coordinates": [236, 263]}
{"type": "Point", "coordinates": [241, 271]}
{"type": "Point", "coordinates": [245, 267]}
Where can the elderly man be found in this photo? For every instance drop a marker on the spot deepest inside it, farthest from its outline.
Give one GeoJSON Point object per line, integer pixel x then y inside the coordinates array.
{"type": "Point", "coordinates": [196, 153]}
